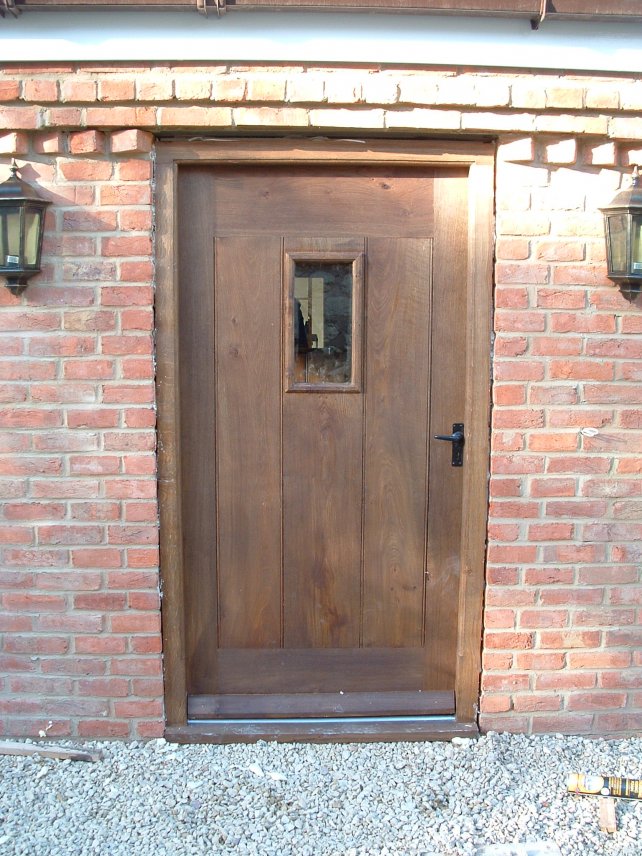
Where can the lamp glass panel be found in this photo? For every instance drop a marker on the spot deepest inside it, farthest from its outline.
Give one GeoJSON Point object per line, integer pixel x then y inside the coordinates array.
{"type": "Point", "coordinates": [10, 237]}
{"type": "Point", "coordinates": [636, 245]}
{"type": "Point", "coordinates": [617, 242]}
{"type": "Point", "coordinates": [32, 232]}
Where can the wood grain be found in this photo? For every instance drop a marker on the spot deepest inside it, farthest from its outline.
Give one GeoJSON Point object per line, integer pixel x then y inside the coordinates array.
{"type": "Point", "coordinates": [330, 491]}
{"type": "Point", "coordinates": [397, 365]}
{"type": "Point", "coordinates": [309, 705]}
{"type": "Point", "coordinates": [169, 449]}
{"type": "Point", "coordinates": [447, 405]}
{"type": "Point", "coordinates": [301, 200]}
{"type": "Point", "coordinates": [320, 670]}
{"type": "Point", "coordinates": [248, 430]}
{"type": "Point", "coordinates": [196, 372]}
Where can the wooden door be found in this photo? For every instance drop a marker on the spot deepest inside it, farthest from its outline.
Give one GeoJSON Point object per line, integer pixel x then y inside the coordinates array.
{"type": "Point", "coordinates": [322, 344]}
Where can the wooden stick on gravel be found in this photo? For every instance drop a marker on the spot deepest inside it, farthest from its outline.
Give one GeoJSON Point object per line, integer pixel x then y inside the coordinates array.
{"type": "Point", "coordinates": [608, 822]}
{"type": "Point", "coordinates": [60, 752]}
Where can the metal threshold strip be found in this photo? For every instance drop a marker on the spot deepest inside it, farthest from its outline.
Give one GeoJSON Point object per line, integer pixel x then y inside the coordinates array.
{"type": "Point", "coordinates": [325, 720]}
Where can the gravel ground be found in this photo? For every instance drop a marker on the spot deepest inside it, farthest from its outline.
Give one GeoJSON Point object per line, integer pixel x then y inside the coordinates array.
{"type": "Point", "coordinates": [436, 799]}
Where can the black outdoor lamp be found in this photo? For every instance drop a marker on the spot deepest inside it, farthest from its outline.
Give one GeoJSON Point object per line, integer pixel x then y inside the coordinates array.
{"type": "Point", "coordinates": [623, 227]}
{"type": "Point", "coordinates": [22, 217]}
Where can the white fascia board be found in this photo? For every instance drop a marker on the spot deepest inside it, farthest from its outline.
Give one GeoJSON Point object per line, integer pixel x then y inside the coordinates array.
{"type": "Point", "coordinates": [320, 38]}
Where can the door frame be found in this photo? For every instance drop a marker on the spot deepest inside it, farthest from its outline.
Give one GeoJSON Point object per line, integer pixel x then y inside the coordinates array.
{"type": "Point", "coordinates": [478, 158]}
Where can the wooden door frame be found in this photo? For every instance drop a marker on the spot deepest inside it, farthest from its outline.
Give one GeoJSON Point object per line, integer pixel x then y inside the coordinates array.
{"type": "Point", "coordinates": [479, 160]}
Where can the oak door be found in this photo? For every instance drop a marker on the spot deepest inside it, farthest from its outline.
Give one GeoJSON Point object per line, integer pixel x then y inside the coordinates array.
{"type": "Point", "coordinates": [322, 346]}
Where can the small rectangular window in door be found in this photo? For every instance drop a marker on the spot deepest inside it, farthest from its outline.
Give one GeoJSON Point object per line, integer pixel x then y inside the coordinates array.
{"type": "Point", "coordinates": [323, 312]}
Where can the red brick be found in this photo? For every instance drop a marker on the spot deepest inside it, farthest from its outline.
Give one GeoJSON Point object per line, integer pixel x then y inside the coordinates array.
{"type": "Point", "coordinates": [36, 644]}
{"type": "Point", "coordinates": [535, 702]}
{"type": "Point", "coordinates": [595, 701]}
{"type": "Point", "coordinates": [100, 557]}
{"type": "Point", "coordinates": [137, 666]}
{"type": "Point", "coordinates": [561, 597]}
{"type": "Point", "coordinates": [581, 370]}
{"type": "Point", "coordinates": [556, 346]}
{"type": "Point", "coordinates": [548, 576]}
{"type": "Point", "coordinates": [101, 601]}
{"type": "Point", "coordinates": [607, 617]}
{"type": "Point", "coordinates": [33, 602]}
{"type": "Point", "coordinates": [134, 622]}
{"type": "Point", "coordinates": [500, 554]}
{"type": "Point", "coordinates": [509, 641]}
{"type": "Point", "coordinates": [578, 465]}
{"type": "Point", "coordinates": [550, 531]}
{"type": "Point", "coordinates": [599, 659]}
{"type": "Point", "coordinates": [140, 708]}
{"type": "Point", "coordinates": [540, 487]}
{"type": "Point", "coordinates": [543, 618]}
{"type": "Point", "coordinates": [9, 90]}
{"type": "Point", "coordinates": [70, 534]}
{"type": "Point", "coordinates": [18, 118]}
{"type": "Point", "coordinates": [104, 687]}
{"type": "Point", "coordinates": [93, 418]}
{"type": "Point", "coordinates": [86, 170]}
{"type": "Point", "coordinates": [579, 508]}
{"type": "Point", "coordinates": [67, 581]}
{"type": "Point", "coordinates": [86, 142]}
{"type": "Point", "coordinates": [40, 91]}
{"type": "Point", "coordinates": [147, 687]}
{"type": "Point", "coordinates": [565, 681]}
{"type": "Point", "coordinates": [511, 682]}
{"type": "Point", "coordinates": [613, 723]}
{"type": "Point", "coordinates": [563, 554]}
{"type": "Point", "coordinates": [70, 623]}
{"type": "Point", "coordinates": [146, 644]}
{"type": "Point", "coordinates": [550, 442]}
{"type": "Point", "coordinates": [103, 728]}
{"type": "Point", "coordinates": [499, 619]}
{"type": "Point", "coordinates": [101, 644]}
{"type": "Point", "coordinates": [495, 703]}
{"type": "Point", "coordinates": [116, 89]}
{"type": "Point", "coordinates": [130, 141]}
{"type": "Point", "coordinates": [536, 661]}
{"type": "Point", "coordinates": [74, 666]}
{"type": "Point", "coordinates": [147, 730]}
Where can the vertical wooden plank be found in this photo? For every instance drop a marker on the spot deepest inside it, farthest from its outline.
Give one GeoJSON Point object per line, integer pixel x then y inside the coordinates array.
{"type": "Point", "coordinates": [167, 396]}
{"type": "Point", "coordinates": [397, 377]}
{"type": "Point", "coordinates": [475, 500]}
{"type": "Point", "coordinates": [447, 405]}
{"type": "Point", "coordinates": [248, 429]}
{"type": "Point", "coordinates": [195, 329]}
{"type": "Point", "coordinates": [322, 493]}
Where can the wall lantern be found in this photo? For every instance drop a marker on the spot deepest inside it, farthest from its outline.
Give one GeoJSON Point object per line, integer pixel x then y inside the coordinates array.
{"type": "Point", "coordinates": [22, 217]}
{"type": "Point", "coordinates": [623, 227]}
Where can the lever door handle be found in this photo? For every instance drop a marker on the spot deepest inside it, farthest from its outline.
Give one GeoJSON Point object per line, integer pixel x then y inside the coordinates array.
{"type": "Point", "coordinates": [457, 438]}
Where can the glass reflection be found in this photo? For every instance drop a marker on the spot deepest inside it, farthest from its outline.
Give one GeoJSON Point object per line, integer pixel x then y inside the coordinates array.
{"type": "Point", "coordinates": [323, 322]}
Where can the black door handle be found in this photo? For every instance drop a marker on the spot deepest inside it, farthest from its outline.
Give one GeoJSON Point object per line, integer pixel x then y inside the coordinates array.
{"type": "Point", "coordinates": [457, 438]}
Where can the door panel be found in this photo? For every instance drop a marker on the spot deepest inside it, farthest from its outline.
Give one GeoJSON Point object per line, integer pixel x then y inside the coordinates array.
{"type": "Point", "coordinates": [325, 558]}
{"type": "Point", "coordinates": [396, 453]}
{"type": "Point", "coordinates": [248, 441]}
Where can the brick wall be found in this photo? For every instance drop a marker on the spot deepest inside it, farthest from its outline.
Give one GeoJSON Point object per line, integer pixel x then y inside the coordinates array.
{"type": "Point", "coordinates": [79, 626]}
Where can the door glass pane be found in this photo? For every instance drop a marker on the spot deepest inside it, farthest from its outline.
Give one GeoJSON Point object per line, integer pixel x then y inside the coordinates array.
{"type": "Point", "coordinates": [322, 320]}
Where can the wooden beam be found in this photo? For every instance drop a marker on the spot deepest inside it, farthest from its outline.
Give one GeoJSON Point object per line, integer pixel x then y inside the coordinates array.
{"type": "Point", "coordinates": [581, 10]}
{"type": "Point", "coordinates": [62, 753]}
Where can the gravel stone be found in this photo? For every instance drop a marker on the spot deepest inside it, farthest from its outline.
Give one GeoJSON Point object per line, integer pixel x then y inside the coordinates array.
{"type": "Point", "coordinates": [369, 799]}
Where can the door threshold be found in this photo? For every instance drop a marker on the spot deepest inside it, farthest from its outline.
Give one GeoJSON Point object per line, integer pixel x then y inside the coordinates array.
{"type": "Point", "coordinates": [330, 730]}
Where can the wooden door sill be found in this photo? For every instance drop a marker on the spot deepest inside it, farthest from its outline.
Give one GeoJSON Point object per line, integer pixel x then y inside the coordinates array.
{"type": "Point", "coordinates": [326, 730]}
